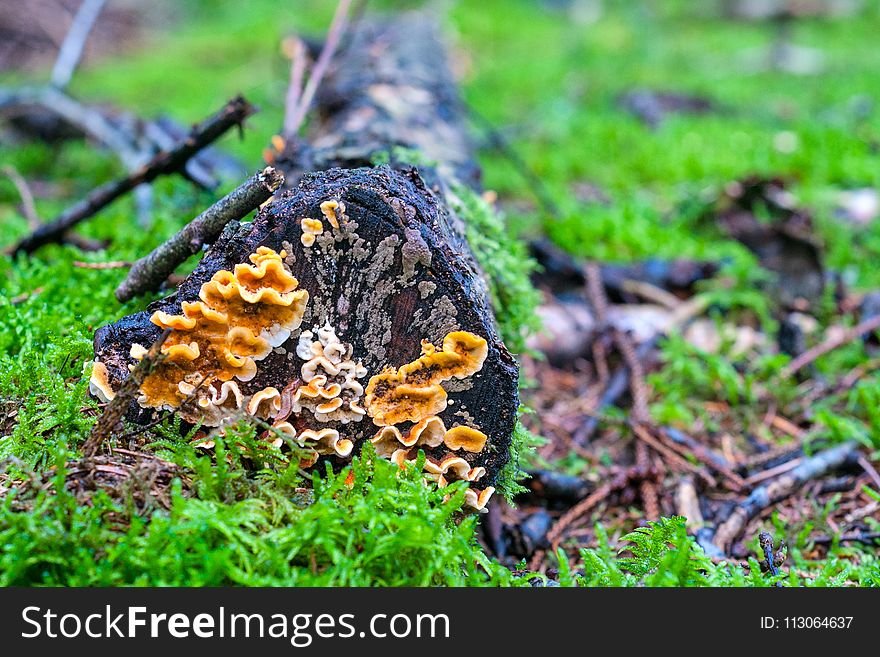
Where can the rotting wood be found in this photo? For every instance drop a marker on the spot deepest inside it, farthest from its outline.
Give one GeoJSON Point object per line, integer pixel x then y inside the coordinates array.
{"type": "Point", "coordinates": [380, 252]}
{"type": "Point", "coordinates": [390, 96]}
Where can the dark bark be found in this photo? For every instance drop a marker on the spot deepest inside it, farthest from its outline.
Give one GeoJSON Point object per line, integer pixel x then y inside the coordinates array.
{"type": "Point", "coordinates": [390, 89]}
{"type": "Point", "coordinates": [399, 269]}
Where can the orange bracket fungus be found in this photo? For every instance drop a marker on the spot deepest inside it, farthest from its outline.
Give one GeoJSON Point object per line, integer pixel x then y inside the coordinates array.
{"type": "Point", "coordinates": [347, 312]}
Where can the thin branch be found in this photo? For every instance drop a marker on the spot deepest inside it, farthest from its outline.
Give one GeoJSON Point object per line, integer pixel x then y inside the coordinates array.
{"type": "Point", "coordinates": [781, 487]}
{"type": "Point", "coordinates": [88, 119]}
{"type": "Point", "coordinates": [869, 538]}
{"type": "Point", "coordinates": [194, 171]}
{"type": "Point", "coordinates": [28, 208]}
{"type": "Point", "coordinates": [74, 43]}
{"type": "Point", "coordinates": [83, 243]}
{"type": "Point", "coordinates": [116, 408]}
{"type": "Point", "coordinates": [163, 163]}
{"type": "Point", "coordinates": [148, 273]}
{"type": "Point", "coordinates": [339, 25]}
{"type": "Point", "coordinates": [847, 336]}
{"type": "Point", "coordinates": [870, 470]}
{"type": "Point", "coordinates": [24, 296]}
{"type": "Point", "coordinates": [299, 61]}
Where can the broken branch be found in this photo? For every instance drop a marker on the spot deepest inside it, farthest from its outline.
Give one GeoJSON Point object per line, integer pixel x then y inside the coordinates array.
{"type": "Point", "coordinates": [28, 207]}
{"type": "Point", "coordinates": [295, 116]}
{"type": "Point", "coordinates": [854, 333]}
{"type": "Point", "coordinates": [74, 43]}
{"type": "Point", "coordinates": [148, 273]}
{"type": "Point", "coordinates": [163, 163]}
{"type": "Point", "coordinates": [117, 406]}
{"type": "Point", "coordinates": [781, 487]}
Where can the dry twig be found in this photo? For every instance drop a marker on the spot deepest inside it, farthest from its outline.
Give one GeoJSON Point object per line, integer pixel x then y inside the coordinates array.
{"type": "Point", "coordinates": [847, 336]}
{"type": "Point", "coordinates": [74, 43]}
{"type": "Point", "coordinates": [163, 163]}
{"type": "Point", "coordinates": [294, 116]}
{"type": "Point", "coordinates": [299, 61]}
{"type": "Point", "coordinates": [28, 207]}
{"type": "Point", "coordinates": [780, 488]}
{"type": "Point", "coordinates": [148, 273]}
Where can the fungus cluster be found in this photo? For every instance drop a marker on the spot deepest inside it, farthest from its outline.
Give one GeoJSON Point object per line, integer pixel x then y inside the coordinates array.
{"type": "Point", "coordinates": [413, 394]}
{"type": "Point", "coordinates": [329, 210]}
{"type": "Point", "coordinates": [413, 391]}
{"type": "Point", "coordinates": [311, 228]}
{"type": "Point", "coordinates": [320, 442]}
{"type": "Point", "coordinates": [217, 341]}
{"type": "Point", "coordinates": [429, 432]}
{"type": "Point", "coordinates": [331, 390]}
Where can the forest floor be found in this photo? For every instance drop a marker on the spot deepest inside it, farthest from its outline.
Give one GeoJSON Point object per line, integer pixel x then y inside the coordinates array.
{"type": "Point", "coordinates": [706, 226]}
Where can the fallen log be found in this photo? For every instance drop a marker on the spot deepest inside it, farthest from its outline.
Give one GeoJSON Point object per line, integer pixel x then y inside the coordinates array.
{"type": "Point", "coordinates": [352, 309]}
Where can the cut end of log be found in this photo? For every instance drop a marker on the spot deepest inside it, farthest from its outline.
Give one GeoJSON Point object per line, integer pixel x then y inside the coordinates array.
{"type": "Point", "coordinates": [345, 313]}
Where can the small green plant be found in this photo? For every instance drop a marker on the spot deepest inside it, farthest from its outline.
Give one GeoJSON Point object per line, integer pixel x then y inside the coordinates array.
{"type": "Point", "coordinates": [523, 442]}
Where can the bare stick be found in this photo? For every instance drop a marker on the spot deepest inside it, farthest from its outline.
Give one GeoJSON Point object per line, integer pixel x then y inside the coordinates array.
{"type": "Point", "coordinates": [869, 470]}
{"type": "Point", "coordinates": [781, 487]}
{"type": "Point", "coordinates": [116, 408]}
{"type": "Point", "coordinates": [810, 355]}
{"type": "Point", "coordinates": [163, 163]}
{"type": "Point", "coordinates": [195, 171]}
{"type": "Point", "coordinates": [338, 26]}
{"type": "Point", "coordinates": [148, 273]}
{"type": "Point", "coordinates": [88, 119]}
{"type": "Point", "coordinates": [869, 538]}
{"type": "Point", "coordinates": [28, 207]}
{"type": "Point", "coordinates": [298, 64]}
{"type": "Point", "coordinates": [74, 43]}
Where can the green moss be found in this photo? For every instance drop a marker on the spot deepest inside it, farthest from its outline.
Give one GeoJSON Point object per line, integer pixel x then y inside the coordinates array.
{"type": "Point", "coordinates": [560, 111]}
{"type": "Point", "coordinates": [506, 263]}
{"type": "Point", "coordinates": [369, 525]}
{"type": "Point", "coordinates": [523, 442]}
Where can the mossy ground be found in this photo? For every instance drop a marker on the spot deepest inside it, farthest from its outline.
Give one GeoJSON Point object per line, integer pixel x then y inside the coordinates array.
{"type": "Point", "coordinates": [551, 81]}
